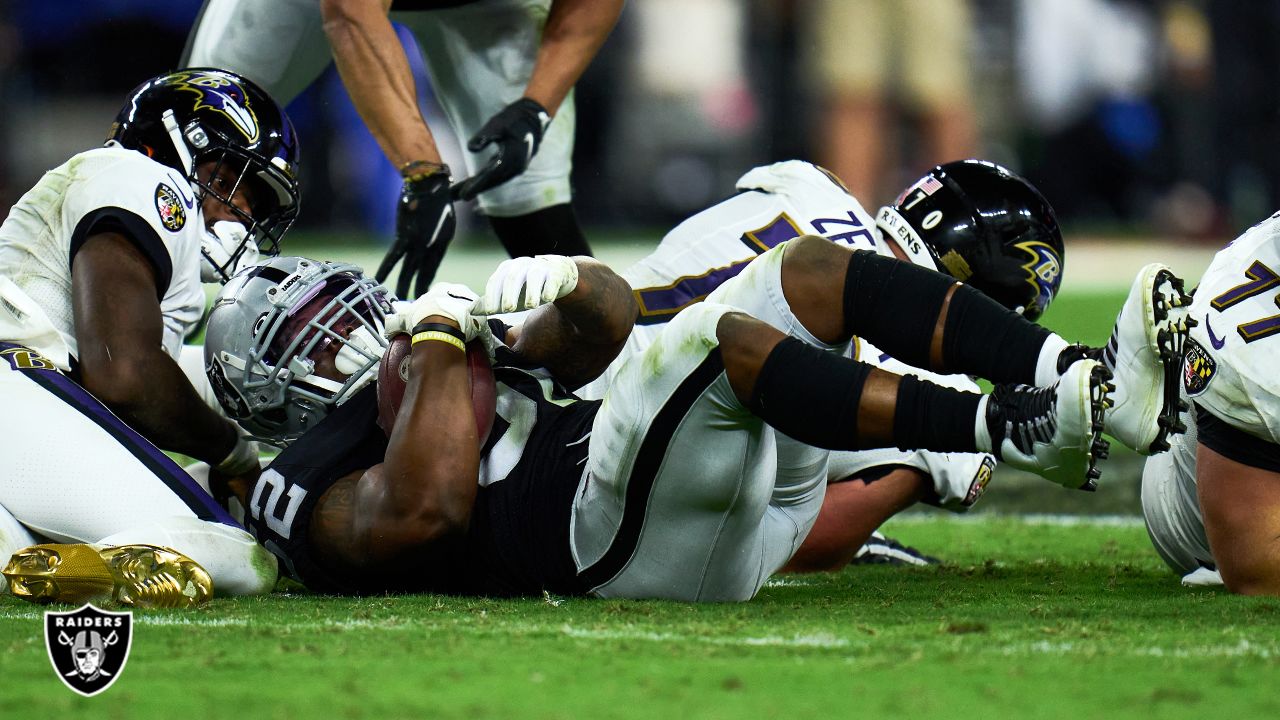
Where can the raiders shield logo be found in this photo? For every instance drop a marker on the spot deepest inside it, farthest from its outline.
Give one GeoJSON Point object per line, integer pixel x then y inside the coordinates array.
{"type": "Point", "coordinates": [1198, 369]}
{"type": "Point", "coordinates": [169, 206]}
{"type": "Point", "coordinates": [88, 647]}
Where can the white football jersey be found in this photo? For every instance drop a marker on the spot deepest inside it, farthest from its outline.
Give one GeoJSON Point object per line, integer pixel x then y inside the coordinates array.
{"type": "Point", "coordinates": [1231, 369]}
{"type": "Point", "coordinates": [107, 188]}
{"type": "Point", "coordinates": [777, 203]}
{"type": "Point", "coordinates": [1228, 371]}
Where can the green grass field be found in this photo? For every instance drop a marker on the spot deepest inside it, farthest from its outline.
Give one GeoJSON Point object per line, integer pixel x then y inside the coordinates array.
{"type": "Point", "coordinates": [1028, 618]}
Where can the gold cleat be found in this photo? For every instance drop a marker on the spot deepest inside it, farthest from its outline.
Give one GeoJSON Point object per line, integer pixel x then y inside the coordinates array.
{"type": "Point", "coordinates": [143, 576]}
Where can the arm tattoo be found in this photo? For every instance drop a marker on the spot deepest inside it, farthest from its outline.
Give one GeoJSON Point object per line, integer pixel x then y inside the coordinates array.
{"type": "Point", "coordinates": [579, 335]}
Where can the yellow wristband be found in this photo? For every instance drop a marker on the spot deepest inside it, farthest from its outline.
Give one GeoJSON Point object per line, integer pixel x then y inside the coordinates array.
{"type": "Point", "coordinates": [443, 337]}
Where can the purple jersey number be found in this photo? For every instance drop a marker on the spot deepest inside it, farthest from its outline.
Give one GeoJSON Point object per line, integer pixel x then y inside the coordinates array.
{"type": "Point", "coordinates": [1261, 279]}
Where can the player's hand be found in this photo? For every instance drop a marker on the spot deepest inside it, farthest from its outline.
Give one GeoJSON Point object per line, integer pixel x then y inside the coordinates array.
{"type": "Point", "coordinates": [452, 300]}
{"type": "Point", "coordinates": [517, 132]}
{"type": "Point", "coordinates": [242, 460]}
{"type": "Point", "coordinates": [524, 283]}
{"type": "Point", "coordinates": [425, 223]}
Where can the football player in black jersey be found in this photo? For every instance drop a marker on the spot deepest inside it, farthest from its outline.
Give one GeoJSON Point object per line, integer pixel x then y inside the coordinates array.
{"type": "Point", "coordinates": [674, 485]}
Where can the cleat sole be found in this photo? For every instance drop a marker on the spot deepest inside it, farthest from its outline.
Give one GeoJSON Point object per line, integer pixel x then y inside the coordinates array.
{"type": "Point", "coordinates": [143, 576]}
{"type": "Point", "coordinates": [1169, 291]}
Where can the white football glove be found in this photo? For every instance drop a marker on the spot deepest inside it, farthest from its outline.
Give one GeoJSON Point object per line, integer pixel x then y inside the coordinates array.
{"type": "Point", "coordinates": [525, 283]}
{"type": "Point", "coordinates": [452, 300]}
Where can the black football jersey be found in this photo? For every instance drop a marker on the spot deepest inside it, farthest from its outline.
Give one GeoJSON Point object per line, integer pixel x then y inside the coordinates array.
{"type": "Point", "coordinates": [531, 466]}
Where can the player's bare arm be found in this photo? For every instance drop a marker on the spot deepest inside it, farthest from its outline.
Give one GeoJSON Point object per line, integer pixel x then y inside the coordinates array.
{"type": "Point", "coordinates": [577, 336]}
{"type": "Point", "coordinates": [400, 513]}
{"type": "Point", "coordinates": [122, 360]}
{"type": "Point", "coordinates": [852, 509]}
{"type": "Point", "coordinates": [574, 32]}
{"type": "Point", "coordinates": [378, 79]}
{"type": "Point", "coordinates": [1245, 543]}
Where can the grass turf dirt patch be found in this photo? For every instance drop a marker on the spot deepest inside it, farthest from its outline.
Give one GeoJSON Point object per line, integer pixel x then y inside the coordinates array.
{"type": "Point", "coordinates": [1028, 618]}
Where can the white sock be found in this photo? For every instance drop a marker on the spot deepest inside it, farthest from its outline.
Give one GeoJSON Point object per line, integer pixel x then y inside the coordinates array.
{"type": "Point", "coordinates": [981, 435]}
{"type": "Point", "coordinates": [1047, 362]}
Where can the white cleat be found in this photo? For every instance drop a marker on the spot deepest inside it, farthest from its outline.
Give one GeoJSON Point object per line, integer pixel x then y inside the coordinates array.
{"type": "Point", "coordinates": [1145, 357]}
{"type": "Point", "coordinates": [1055, 431]}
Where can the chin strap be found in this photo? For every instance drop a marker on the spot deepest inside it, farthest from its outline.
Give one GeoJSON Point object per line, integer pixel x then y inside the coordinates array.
{"type": "Point", "coordinates": [179, 145]}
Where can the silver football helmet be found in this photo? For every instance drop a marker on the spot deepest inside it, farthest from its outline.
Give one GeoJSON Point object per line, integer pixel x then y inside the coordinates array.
{"type": "Point", "coordinates": [292, 338]}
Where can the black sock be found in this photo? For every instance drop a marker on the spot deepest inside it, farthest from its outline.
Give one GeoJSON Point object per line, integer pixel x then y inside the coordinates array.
{"type": "Point", "coordinates": [813, 396]}
{"type": "Point", "coordinates": [984, 337]}
{"type": "Point", "coordinates": [550, 231]}
{"type": "Point", "coordinates": [934, 417]}
{"type": "Point", "coordinates": [895, 305]}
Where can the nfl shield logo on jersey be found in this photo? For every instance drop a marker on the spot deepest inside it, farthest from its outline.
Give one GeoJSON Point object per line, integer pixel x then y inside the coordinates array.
{"type": "Point", "coordinates": [88, 647]}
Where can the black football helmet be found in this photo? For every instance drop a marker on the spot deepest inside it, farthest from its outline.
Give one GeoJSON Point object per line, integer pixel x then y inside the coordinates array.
{"type": "Point", "coordinates": [986, 227]}
{"type": "Point", "coordinates": [186, 118]}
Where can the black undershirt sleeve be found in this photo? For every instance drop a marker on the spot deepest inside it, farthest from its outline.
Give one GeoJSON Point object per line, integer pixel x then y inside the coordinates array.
{"type": "Point", "coordinates": [1236, 444]}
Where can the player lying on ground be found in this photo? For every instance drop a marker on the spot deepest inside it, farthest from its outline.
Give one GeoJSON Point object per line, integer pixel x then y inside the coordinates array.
{"type": "Point", "coordinates": [1212, 504]}
{"type": "Point", "coordinates": [100, 280]}
{"type": "Point", "coordinates": [972, 220]}
{"type": "Point", "coordinates": [674, 485]}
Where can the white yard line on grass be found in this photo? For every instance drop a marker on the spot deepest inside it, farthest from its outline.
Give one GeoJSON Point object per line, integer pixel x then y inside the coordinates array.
{"type": "Point", "coordinates": [1054, 519]}
{"type": "Point", "coordinates": [858, 646]}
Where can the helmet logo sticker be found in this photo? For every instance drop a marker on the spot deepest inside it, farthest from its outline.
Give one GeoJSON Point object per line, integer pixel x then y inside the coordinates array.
{"type": "Point", "coordinates": [1044, 271]}
{"type": "Point", "coordinates": [169, 207]}
{"type": "Point", "coordinates": [220, 94]}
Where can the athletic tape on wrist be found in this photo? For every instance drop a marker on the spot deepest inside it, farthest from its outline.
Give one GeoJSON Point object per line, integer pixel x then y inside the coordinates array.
{"type": "Point", "coordinates": [439, 337]}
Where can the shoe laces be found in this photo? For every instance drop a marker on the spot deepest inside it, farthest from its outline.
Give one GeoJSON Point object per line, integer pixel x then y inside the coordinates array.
{"type": "Point", "coordinates": [1022, 414]}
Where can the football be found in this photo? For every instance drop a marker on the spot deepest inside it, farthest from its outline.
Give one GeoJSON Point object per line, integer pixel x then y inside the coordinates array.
{"type": "Point", "coordinates": [393, 376]}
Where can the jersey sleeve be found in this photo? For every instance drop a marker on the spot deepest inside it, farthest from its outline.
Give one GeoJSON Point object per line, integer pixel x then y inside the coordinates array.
{"type": "Point", "coordinates": [140, 199]}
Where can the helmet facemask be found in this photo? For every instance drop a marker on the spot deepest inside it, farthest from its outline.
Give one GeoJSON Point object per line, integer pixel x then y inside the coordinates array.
{"type": "Point", "coordinates": [211, 118]}
{"type": "Point", "coordinates": [314, 339]}
{"type": "Point", "coordinates": [271, 212]}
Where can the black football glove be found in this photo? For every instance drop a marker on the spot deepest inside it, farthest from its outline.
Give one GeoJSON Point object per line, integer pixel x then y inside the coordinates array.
{"type": "Point", "coordinates": [424, 226]}
{"type": "Point", "coordinates": [517, 131]}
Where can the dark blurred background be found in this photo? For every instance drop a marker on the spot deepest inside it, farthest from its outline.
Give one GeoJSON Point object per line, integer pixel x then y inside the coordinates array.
{"type": "Point", "coordinates": [1145, 117]}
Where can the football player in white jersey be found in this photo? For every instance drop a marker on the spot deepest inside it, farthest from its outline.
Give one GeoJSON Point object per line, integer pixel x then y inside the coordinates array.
{"type": "Point", "coordinates": [1000, 236]}
{"type": "Point", "coordinates": [679, 483]}
{"type": "Point", "coordinates": [1212, 504]}
{"type": "Point", "coordinates": [100, 281]}
{"type": "Point", "coordinates": [503, 71]}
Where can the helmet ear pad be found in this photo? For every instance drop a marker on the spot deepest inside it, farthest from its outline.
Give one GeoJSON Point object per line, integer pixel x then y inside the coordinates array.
{"type": "Point", "coordinates": [991, 229]}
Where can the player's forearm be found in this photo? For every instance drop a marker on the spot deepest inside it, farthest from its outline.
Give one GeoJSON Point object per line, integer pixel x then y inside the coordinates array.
{"type": "Point", "coordinates": [148, 390]}
{"type": "Point", "coordinates": [581, 333]}
{"type": "Point", "coordinates": [377, 77]}
{"type": "Point", "coordinates": [602, 307]}
{"type": "Point", "coordinates": [433, 457]}
{"type": "Point", "coordinates": [574, 32]}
